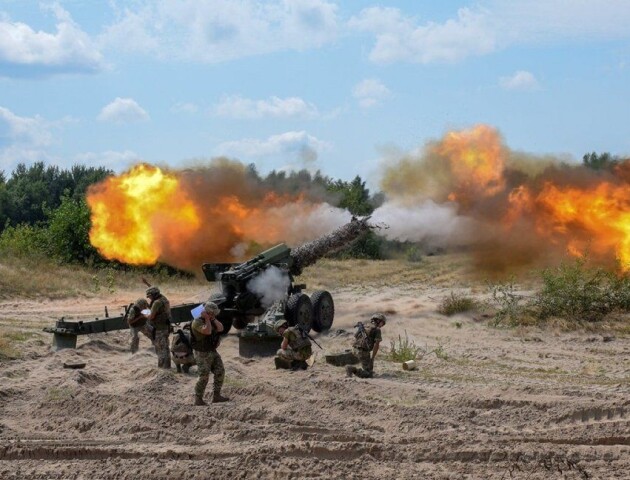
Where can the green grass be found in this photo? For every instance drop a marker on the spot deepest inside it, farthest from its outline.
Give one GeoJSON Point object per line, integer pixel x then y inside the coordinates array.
{"type": "Point", "coordinates": [404, 349]}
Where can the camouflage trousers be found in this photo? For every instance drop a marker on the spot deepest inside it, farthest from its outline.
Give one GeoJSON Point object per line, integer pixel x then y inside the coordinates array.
{"type": "Point", "coordinates": [289, 354]}
{"type": "Point", "coordinates": [209, 362]}
{"type": "Point", "coordinates": [367, 368]}
{"type": "Point", "coordinates": [135, 336]}
{"type": "Point", "coordinates": [161, 348]}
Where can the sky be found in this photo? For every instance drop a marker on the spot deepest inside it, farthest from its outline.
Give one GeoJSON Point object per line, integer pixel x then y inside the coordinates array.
{"type": "Point", "coordinates": [316, 84]}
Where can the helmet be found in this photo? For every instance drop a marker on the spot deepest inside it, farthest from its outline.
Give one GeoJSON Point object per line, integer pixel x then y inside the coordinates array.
{"type": "Point", "coordinates": [279, 324]}
{"type": "Point", "coordinates": [141, 304]}
{"type": "Point", "coordinates": [152, 292]}
{"type": "Point", "coordinates": [378, 317]}
{"type": "Point", "coordinates": [211, 307]}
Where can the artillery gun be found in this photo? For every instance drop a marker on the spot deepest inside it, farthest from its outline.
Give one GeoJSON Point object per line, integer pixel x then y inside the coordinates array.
{"type": "Point", "coordinates": [243, 305]}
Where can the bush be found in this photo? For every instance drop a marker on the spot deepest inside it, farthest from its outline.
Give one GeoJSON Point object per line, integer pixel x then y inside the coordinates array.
{"type": "Point", "coordinates": [68, 232]}
{"type": "Point", "coordinates": [404, 349]}
{"type": "Point", "coordinates": [571, 291]}
{"type": "Point", "coordinates": [456, 303]}
{"type": "Point", "coordinates": [23, 240]}
{"type": "Point", "coordinates": [576, 292]}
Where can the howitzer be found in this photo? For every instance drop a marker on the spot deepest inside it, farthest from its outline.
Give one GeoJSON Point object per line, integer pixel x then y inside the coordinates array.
{"type": "Point", "coordinates": [240, 304]}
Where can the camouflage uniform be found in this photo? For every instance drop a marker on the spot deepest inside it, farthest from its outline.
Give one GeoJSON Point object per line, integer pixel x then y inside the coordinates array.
{"type": "Point", "coordinates": [363, 349]}
{"type": "Point", "coordinates": [208, 360]}
{"type": "Point", "coordinates": [133, 313]}
{"type": "Point", "coordinates": [182, 351]}
{"type": "Point", "coordinates": [161, 312]}
{"type": "Point", "coordinates": [299, 346]}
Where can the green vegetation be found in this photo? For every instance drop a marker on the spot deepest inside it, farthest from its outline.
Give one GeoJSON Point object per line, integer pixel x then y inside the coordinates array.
{"type": "Point", "coordinates": [574, 292]}
{"type": "Point", "coordinates": [404, 349]}
{"type": "Point", "coordinates": [456, 303]}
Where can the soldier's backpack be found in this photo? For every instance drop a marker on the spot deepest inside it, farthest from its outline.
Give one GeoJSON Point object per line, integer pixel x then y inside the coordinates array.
{"type": "Point", "coordinates": [362, 338]}
{"type": "Point", "coordinates": [181, 343]}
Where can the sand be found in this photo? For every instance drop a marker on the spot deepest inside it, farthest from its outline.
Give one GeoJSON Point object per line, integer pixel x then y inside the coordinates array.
{"type": "Point", "coordinates": [493, 404]}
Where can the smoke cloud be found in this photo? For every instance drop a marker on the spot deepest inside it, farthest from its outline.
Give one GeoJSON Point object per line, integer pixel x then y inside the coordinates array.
{"type": "Point", "coordinates": [270, 286]}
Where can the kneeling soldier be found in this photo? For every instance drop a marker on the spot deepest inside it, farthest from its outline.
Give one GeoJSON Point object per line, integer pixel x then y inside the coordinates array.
{"type": "Point", "coordinates": [366, 343]}
{"type": "Point", "coordinates": [205, 339]}
{"type": "Point", "coordinates": [295, 348]}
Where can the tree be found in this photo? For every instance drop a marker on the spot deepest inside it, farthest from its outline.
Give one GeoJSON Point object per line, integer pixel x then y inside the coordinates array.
{"type": "Point", "coordinates": [68, 231]}
{"type": "Point", "coordinates": [604, 161]}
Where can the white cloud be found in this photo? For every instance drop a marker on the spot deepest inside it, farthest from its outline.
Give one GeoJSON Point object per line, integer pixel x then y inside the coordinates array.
{"type": "Point", "coordinates": [399, 39]}
{"type": "Point", "coordinates": [239, 107]}
{"type": "Point", "coordinates": [33, 131]}
{"type": "Point", "coordinates": [296, 144]}
{"type": "Point", "coordinates": [123, 110]}
{"type": "Point", "coordinates": [370, 92]}
{"type": "Point", "coordinates": [521, 80]}
{"type": "Point", "coordinates": [492, 26]}
{"type": "Point", "coordinates": [26, 52]}
{"type": "Point", "coordinates": [117, 161]}
{"type": "Point", "coordinates": [218, 30]}
{"type": "Point", "coordinates": [23, 139]}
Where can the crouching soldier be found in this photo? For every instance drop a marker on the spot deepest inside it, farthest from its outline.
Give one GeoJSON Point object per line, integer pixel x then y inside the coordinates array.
{"type": "Point", "coordinates": [205, 338]}
{"type": "Point", "coordinates": [137, 322]}
{"type": "Point", "coordinates": [182, 351]}
{"type": "Point", "coordinates": [295, 348]}
{"type": "Point", "coordinates": [367, 340]}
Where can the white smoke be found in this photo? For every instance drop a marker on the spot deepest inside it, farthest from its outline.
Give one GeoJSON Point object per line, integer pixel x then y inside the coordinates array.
{"type": "Point", "coordinates": [438, 223]}
{"type": "Point", "coordinates": [302, 222]}
{"type": "Point", "coordinates": [270, 286]}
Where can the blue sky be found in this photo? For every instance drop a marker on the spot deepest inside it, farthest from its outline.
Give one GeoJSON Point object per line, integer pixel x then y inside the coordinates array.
{"type": "Point", "coordinates": [335, 86]}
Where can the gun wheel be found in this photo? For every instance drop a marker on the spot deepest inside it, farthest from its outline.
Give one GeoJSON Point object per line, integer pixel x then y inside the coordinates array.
{"type": "Point", "coordinates": [323, 310]}
{"type": "Point", "coordinates": [299, 311]}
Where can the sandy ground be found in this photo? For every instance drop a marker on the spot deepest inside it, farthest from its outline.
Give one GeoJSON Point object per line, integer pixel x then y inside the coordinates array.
{"type": "Point", "coordinates": [498, 404]}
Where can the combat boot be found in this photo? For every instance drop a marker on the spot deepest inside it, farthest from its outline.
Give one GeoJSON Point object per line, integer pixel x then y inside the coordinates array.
{"type": "Point", "coordinates": [199, 401]}
{"type": "Point", "coordinates": [217, 398]}
{"type": "Point", "coordinates": [350, 370]}
{"type": "Point", "coordinates": [179, 368]}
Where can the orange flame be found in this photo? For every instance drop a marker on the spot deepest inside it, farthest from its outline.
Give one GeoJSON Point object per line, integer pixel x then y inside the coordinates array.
{"type": "Point", "coordinates": [127, 209]}
{"type": "Point", "coordinates": [185, 218]}
{"type": "Point", "coordinates": [476, 160]}
{"type": "Point", "coordinates": [596, 218]}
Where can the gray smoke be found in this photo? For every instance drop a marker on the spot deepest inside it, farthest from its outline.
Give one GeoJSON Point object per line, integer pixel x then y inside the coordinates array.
{"type": "Point", "coordinates": [270, 286]}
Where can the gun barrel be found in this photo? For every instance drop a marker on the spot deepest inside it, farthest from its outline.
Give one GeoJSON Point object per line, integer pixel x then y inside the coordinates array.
{"type": "Point", "coordinates": [307, 254]}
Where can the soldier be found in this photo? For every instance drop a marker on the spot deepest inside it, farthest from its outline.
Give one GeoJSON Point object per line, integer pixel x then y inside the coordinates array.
{"type": "Point", "coordinates": [137, 322]}
{"type": "Point", "coordinates": [181, 350]}
{"type": "Point", "coordinates": [366, 343]}
{"type": "Point", "coordinates": [205, 338]}
{"type": "Point", "coordinates": [160, 320]}
{"type": "Point", "coordinates": [295, 348]}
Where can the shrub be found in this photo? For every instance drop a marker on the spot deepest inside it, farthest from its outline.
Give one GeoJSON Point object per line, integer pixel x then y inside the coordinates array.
{"type": "Point", "coordinates": [23, 240]}
{"type": "Point", "coordinates": [456, 303]}
{"type": "Point", "coordinates": [404, 349]}
{"type": "Point", "coordinates": [575, 292]}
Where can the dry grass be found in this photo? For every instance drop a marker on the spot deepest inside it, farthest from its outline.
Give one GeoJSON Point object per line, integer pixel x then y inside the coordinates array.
{"type": "Point", "coordinates": [43, 278]}
{"type": "Point", "coordinates": [443, 270]}
{"type": "Point", "coordinates": [10, 343]}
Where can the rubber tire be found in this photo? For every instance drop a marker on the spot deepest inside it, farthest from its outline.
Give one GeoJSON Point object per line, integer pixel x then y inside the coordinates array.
{"type": "Point", "coordinates": [323, 310]}
{"type": "Point", "coordinates": [299, 310]}
{"type": "Point", "coordinates": [227, 325]}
